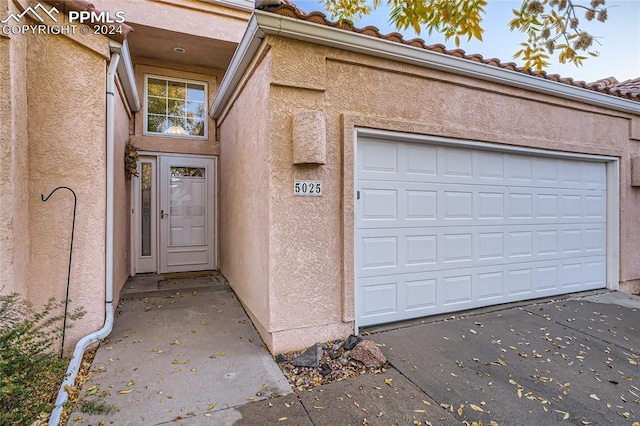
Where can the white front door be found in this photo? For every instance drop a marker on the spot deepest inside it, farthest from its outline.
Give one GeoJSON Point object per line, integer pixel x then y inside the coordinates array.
{"type": "Point", "coordinates": [186, 213]}
{"type": "Point", "coordinates": [173, 214]}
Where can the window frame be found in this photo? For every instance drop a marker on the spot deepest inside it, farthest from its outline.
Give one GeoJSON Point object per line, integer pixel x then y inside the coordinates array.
{"type": "Point", "coordinates": [145, 124]}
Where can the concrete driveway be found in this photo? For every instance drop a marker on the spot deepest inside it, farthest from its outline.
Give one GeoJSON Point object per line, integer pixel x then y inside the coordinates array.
{"type": "Point", "coordinates": [572, 361]}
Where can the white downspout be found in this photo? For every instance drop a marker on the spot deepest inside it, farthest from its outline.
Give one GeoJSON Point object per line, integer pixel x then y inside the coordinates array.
{"type": "Point", "coordinates": [74, 364]}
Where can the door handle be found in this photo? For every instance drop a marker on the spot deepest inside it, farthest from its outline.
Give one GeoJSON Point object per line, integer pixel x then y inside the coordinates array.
{"type": "Point", "coordinates": [163, 214]}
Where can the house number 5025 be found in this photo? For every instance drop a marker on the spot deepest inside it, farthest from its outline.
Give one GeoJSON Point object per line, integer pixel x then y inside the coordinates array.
{"type": "Point", "coordinates": [307, 187]}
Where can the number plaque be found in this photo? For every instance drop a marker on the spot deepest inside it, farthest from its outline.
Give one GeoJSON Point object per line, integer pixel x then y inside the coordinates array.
{"type": "Point", "coordinates": [310, 188]}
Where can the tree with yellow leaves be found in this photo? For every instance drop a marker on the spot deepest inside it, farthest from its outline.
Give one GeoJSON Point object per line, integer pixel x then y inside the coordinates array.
{"type": "Point", "coordinates": [550, 26]}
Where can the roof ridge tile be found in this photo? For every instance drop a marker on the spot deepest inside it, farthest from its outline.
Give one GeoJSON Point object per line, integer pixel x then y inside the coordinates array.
{"type": "Point", "coordinates": [627, 89]}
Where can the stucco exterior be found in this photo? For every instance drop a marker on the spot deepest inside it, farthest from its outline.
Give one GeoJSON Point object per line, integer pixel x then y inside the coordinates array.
{"type": "Point", "coordinates": [122, 203]}
{"type": "Point", "coordinates": [311, 239]}
{"type": "Point", "coordinates": [13, 161]}
{"type": "Point", "coordinates": [244, 198]}
{"type": "Point", "coordinates": [53, 126]}
{"type": "Point", "coordinates": [292, 113]}
{"type": "Point", "coordinates": [67, 148]}
{"type": "Point", "coordinates": [54, 135]}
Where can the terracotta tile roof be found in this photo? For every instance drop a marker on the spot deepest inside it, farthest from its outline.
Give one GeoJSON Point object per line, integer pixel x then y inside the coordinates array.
{"type": "Point", "coordinates": [629, 89]}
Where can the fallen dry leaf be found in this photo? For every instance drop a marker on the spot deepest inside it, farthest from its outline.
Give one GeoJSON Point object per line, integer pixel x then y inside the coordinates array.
{"type": "Point", "coordinates": [594, 396]}
{"type": "Point", "coordinates": [125, 391]}
{"type": "Point", "coordinates": [475, 407]}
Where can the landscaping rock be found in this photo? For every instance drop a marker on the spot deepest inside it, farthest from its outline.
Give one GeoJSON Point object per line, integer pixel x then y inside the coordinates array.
{"type": "Point", "coordinates": [310, 357]}
{"type": "Point", "coordinates": [280, 358]}
{"type": "Point", "coordinates": [335, 353]}
{"type": "Point", "coordinates": [368, 353]}
{"type": "Point", "coordinates": [325, 369]}
{"type": "Point", "coordinates": [351, 342]}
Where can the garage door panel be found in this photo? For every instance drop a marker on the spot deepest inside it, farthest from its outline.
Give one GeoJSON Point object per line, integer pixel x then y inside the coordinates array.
{"type": "Point", "coordinates": [420, 161]}
{"type": "Point", "coordinates": [455, 163]}
{"type": "Point", "coordinates": [421, 204]}
{"type": "Point", "coordinates": [440, 228]}
{"type": "Point", "coordinates": [379, 252]}
{"type": "Point", "coordinates": [519, 281]}
{"type": "Point", "coordinates": [595, 206]}
{"type": "Point", "coordinates": [420, 294]}
{"type": "Point", "coordinates": [379, 299]}
{"type": "Point", "coordinates": [409, 250]}
{"type": "Point", "coordinates": [490, 285]}
{"type": "Point", "coordinates": [379, 204]}
{"type": "Point", "coordinates": [420, 250]}
{"type": "Point", "coordinates": [489, 205]}
{"type": "Point", "coordinates": [425, 163]}
{"type": "Point", "coordinates": [488, 167]}
{"type": "Point", "coordinates": [403, 296]}
{"type": "Point", "coordinates": [399, 204]}
{"type": "Point", "coordinates": [378, 158]}
{"type": "Point", "coordinates": [545, 172]}
{"type": "Point", "coordinates": [593, 176]}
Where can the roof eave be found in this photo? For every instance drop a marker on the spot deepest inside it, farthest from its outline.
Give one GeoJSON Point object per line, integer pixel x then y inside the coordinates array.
{"type": "Point", "coordinates": [241, 59]}
{"type": "Point", "coordinates": [245, 5]}
{"type": "Point", "coordinates": [262, 23]}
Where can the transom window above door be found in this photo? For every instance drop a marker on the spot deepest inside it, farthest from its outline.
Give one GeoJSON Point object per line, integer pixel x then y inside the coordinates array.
{"type": "Point", "coordinates": [175, 107]}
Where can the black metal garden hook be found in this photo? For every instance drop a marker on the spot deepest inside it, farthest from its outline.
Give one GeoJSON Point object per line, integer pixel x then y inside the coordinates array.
{"type": "Point", "coordinates": [73, 227]}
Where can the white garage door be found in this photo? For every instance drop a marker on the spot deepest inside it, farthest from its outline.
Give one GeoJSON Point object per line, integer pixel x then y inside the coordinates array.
{"type": "Point", "coordinates": [442, 228]}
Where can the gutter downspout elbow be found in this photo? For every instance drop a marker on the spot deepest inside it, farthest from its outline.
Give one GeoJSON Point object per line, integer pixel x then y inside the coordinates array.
{"type": "Point", "coordinates": [81, 346]}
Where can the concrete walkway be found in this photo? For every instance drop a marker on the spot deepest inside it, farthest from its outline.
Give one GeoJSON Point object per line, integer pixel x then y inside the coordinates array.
{"type": "Point", "coordinates": [567, 361]}
{"type": "Point", "coordinates": [176, 356]}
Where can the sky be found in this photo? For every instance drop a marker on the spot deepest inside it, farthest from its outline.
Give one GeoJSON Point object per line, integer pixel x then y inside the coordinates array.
{"type": "Point", "coordinates": [619, 38]}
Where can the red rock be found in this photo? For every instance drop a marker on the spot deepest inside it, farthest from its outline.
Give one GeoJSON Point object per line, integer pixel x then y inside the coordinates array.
{"type": "Point", "coordinates": [368, 353]}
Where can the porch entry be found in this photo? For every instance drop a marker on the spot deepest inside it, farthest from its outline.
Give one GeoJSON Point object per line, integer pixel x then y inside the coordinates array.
{"type": "Point", "coordinates": [173, 214]}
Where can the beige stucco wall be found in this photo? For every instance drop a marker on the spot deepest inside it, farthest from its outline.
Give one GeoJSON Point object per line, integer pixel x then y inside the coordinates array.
{"type": "Point", "coordinates": [182, 145]}
{"type": "Point", "coordinates": [244, 211]}
{"type": "Point", "coordinates": [311, 240]}
{"type": "Point", "coordinates": [14, 232]}
{"type": "Point", "coordinates": [183, 16]}
{"type": "Point", "coordinates": [122, 198]}
{"type": "Point", "coordinates": [66, 132]}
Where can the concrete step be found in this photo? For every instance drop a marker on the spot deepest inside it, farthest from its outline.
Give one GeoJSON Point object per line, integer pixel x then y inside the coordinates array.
{"type": "Point", "coordinates": [148, 285]}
